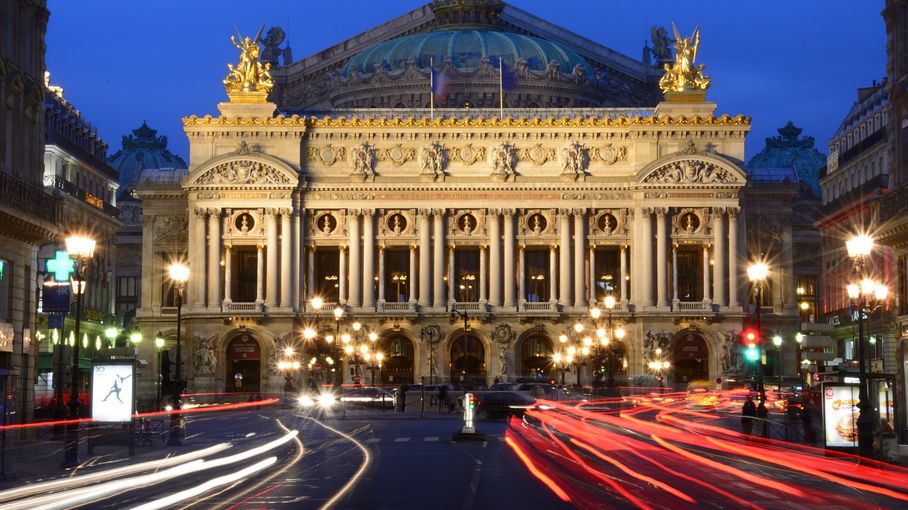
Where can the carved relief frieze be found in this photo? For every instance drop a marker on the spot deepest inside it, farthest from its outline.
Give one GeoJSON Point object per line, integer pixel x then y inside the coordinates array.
{"type": "Point", "coordinates": [609, 154]}
{"type": "Point", "coordinates": [171, 228]}
{"type": "Point", "coordinates": [243, 172]}
{"type": "Point", "coordinates": [468, 154]}
{"type": "Point", "coordinates": [340, 195]}
{"type": "Point", "coordinates": [603, 195]}
{"type": "Point", "coordinates": [326, 154]}
{"type": "Point", "coordinates": [690, 171]}
{"type": "Point", "coordinates": [538, 154]}
{"type": "Point", "coordinates": [396, 154]}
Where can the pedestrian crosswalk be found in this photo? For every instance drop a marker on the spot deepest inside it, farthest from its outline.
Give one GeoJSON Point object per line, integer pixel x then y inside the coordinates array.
{"type": "Point", "coordinates": [424, 439]}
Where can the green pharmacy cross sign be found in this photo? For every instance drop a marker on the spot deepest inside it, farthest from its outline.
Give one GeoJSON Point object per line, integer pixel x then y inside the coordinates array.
{"type": "Point", "coordinates": [61, 266]}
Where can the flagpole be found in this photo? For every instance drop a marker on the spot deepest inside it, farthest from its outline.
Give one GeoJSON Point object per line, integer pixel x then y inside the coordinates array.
{"type": "Point", "coordinates": [500, 88]}
{"type": "Point", "coordinates": [432, 87]}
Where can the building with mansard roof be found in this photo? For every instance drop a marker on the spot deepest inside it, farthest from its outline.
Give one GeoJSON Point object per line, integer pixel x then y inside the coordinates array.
{"type": "Point", "coordinates": [523, 220]}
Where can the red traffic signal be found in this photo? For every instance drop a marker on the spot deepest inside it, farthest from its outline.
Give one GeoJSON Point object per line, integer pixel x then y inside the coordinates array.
{"type": "Point", "coordinates": [471, 400]}
{"type": "Point", "coordinates": [750, 336]}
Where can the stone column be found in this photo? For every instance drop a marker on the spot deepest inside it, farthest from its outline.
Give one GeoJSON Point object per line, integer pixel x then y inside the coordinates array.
{"type": "Point", "coordinates": [368, 259]}
{"type": "Point", "coordinates": [553, 273]}
{"type": "Point", "coordinates": [354, 294]}
{"type": "Point", "coordinates": [706, 272]}
{"type": "Point", "coordinates": [381, 274]}
{"type": "Point", "coordinates": [623, 261]}
{"type": "Point", "coordinates": [509, 279]}
{"type": "Point", "coordinates": [196, 282]}
{"type": "Point", "coordinates": [286, 265]}
{"type": "Point", "coordinates": [425, 260]}
{"type": "Point", "coordinates": [452, 282]}
{"type": "Point", "coordinates": [675, 297]}
{"type": "Point", "coordinates": [297, 263]}
{"type": "Point", "coordinates": [494, 258]}
{"type": "Point", "coordinates": [483, 275]}
{"type": "Point", "coordinates": [733, 258]}
{"type": "Point", "coordinates": [411, 278]}
{"type": "Point", "coordinates": [310, 275]}
{"type": "Point", "coordinates": [579, 251]}
{"type": "Point", "coordinates": [592, 281]}
{"type": "Point", "coordinates": [342, 275]}
{"type": "Point", "coordinates": [522, 270]}
{"type": "Point", "coordinates": [564, 250]}
{"type": "Point", "coordinates": [719, 257]}
{"type": "Point", "coordinates": [438, 300]}
{"type": "Point", "coordinates": [645, 271]}
{"type": "Point", "coordinates": [271, 285]}
{"type": "Point", "coordinates": [787, 300]}
{"type": "Point", "coordinates": [227, 270]}
{"type": "Point", "coordinates": [148, 301]}
{"type": "Point", "coordinates": [661, 259]}
{"type": "Point", "coordinates": [259, 275]}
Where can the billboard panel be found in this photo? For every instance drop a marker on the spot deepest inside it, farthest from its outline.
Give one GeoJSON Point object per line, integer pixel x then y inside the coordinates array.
{"type": "Point", "coordinates": [840, 415]}
{"type": "Point", "coordinates": [112, 392]}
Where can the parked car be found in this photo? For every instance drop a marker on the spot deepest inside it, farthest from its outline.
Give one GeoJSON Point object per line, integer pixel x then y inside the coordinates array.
{"type": "Point", "coordinates": [539, 390]}
{"type": "Point", "coordinates": [503, 386]}
{"type": "Point", "coordinates": [502, 404]}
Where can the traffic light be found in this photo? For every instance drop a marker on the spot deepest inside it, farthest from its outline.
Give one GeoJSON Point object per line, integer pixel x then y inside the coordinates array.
{"type": "Point", "coordinates": [471, 400]}
{"type": "Point", "coordinates": [751, 353]}
{"type": "Point", "coordinates": [751, 337]}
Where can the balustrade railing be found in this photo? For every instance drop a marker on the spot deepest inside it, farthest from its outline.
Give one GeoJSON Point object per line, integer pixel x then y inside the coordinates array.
{"type": "Point", "coordinates": [29, 199]}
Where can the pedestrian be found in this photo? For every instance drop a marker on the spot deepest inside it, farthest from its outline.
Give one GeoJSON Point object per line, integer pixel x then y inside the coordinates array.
{"type": "Point", "coordinates": [402, 397]}
{"type": "Point", "coordinates": [763, 416]}
{"type": "Point", "coordinates": [808, 412]}
{"type": "Point", "coordinates": [748, 411]}
{"type": "Point", "coordinates": [442, 397]}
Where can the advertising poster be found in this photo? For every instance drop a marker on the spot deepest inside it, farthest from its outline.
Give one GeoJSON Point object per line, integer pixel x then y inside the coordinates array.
{"type": "Point", "coordinates": [112, 392]}
{"type": "Point", "coordinates": [840, 415]}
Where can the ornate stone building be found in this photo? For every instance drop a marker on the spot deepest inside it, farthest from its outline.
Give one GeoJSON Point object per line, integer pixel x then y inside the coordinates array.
{"type": "Point", "coordinates": [524, 222]}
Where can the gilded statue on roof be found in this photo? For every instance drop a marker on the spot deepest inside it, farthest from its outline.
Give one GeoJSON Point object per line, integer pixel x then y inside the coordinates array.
{"type": "Point", "coordinates": [249, 75]}
{"type": "Point", "coordinates": [684, 75]}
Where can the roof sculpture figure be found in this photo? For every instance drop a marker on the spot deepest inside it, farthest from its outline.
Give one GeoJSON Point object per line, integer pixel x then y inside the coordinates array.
{"type": "Point", "coordinates": [685, 75]}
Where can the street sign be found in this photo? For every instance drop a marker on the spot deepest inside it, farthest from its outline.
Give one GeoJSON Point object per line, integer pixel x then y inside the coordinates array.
{"type": "Point", "coordinates": [876, 365]}
{"type": "Point", "coordinates": [56, 299]}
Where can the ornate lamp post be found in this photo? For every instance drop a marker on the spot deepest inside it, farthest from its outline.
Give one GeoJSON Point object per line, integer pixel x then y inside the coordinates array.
{"type": "Point", "coordinates": [777, 341]}
{"type": "Point", "coordinates": [756, 273]}
{"type": "Point", "coordinates": [866, 297]}
{"type": "Point", "coordinates": [658, 365]}
{"type": "Point", "coordinates": [81, 249]}
{"type": "Point", "coordinates": [288, 366]}
{"type": "Point", "coordinates": [179, 275]}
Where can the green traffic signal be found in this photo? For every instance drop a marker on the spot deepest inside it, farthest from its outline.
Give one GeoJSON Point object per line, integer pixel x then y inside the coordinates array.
{"type": "Point", "coordinates": [752, 354]}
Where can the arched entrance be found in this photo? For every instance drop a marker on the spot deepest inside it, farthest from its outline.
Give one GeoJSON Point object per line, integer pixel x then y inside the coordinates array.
{"type": "Point", "coordinates": [536, 358]}
{"type": "Point", "coordinates": [468, 362]}
{"type": "Point", "coordinates": [399, 362]}
{"type": "Point", "coordinates": [690, 359]}
{"type": "Point", "coordinates": [244, 359]}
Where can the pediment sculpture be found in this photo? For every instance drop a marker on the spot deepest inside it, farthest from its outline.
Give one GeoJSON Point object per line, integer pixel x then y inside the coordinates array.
{"type": "Point", "coordinates": [432, 160]}
{"type": "Point", "coordinates": [243, 172]}
{"type": "Point", "coordinates": [690, 171]}
{"type": "Point", "coordinates": [502, 160]}
{"type": "Point", "coordinates": [362, 159]}
{"type": "Point", "coordinates": [573, 159]}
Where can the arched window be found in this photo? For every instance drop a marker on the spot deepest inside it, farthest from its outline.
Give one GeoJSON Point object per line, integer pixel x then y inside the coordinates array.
{"type": "Point", "coordinates": [536, 357]}
{"type": "Point", "coordinates": [468, 365]}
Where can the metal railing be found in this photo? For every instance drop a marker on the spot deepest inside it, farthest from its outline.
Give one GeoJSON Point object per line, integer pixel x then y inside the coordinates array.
{"type": "Point", "coordinates": [29, 198]}
{"type": "Point", "coordinates": [395, 307]}
{"type": "Point", "coordinates": [894, 203]}
{"type": "Point", "coordinates": [71, 189]}
{"type": "Point", "coordinates": [241, 307]}
{"type": "Point", "coordinates": [544, 306]}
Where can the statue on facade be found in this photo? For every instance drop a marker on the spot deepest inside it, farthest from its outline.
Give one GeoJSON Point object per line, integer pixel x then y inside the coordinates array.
{"type": "Point", "coordinates": [249, 75]}
{"type": "Point", "coordinates": [573, 159]}
{"type": "Point", "coordinates": [205, 359]}
{"type": "Point", "coordinates": [731, 357]}
{"type": "Point", "coordinates": [362, 159]}
{"type": "Point", "coordinates": [431, 160]}
{"type": "Point", "coordinates": [661, 42]}
{"type": "Point", "coordinates": [272, 43]}
{"type": "Point", "coordinates": [503, 363]}
{"type": "Point", "coordinates": [684, 75]}
{"type": "Point", "coordinates": [501, 158]}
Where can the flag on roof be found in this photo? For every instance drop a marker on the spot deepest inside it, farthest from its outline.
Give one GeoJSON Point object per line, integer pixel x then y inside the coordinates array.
{"type": "Point", "coordinates": [441, 86]}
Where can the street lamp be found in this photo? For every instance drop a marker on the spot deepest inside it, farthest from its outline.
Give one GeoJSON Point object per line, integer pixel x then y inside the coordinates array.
{"type": "Point", "coordinates": [159, 345]}
{"type": "Point", "coordinates": [339, 371]}
{"type": "Point", "coordinates": [756, 273]}
{"type": "Point", "coordinates": [866, 296]}
{"type": "Point", "coordinates": [81, 249]}
{"type": "Point", "coordinates": [179, 275]}
{"type": "Point", "coordinates": [777, 341]}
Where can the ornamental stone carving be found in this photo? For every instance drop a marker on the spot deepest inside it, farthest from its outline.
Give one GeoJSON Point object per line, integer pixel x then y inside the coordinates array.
{"type": "Point", "coordinates": [243, 172]}
{"type": "Point", "coordinates": [362, 160]}
{"type": "Point", "coordinates": [204, 358]}
{"type": "Point", "coordinates": [327, 154]}
{"type": "Point", "coordinates": [573, 160]}
{"type": "Point", "coordinates": [171, 227]}
{"type": "Point", "coordinates": [690, 171]}
{"type": "Point", "coordinates": [468, 154]}
{"type": "Point", "coordinates": [397, 154]}
{"type": "Point", "coordinates": [501, 159]}
{"type": "Point", "coordinates": [539, 154]}
{"type": "Point", "coordinates": [431, 161]}
{"type": "Point", "coordinates": [609, 154]}
{"type": "Point", "coordinates": [504, 334]}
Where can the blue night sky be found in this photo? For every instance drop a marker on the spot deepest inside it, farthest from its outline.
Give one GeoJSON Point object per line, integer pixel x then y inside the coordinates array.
{"type": "Point", "coordinates": [122, 62]}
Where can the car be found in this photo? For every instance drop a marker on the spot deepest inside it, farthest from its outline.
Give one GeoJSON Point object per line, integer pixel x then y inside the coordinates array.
{"type": "Point", "coordinates": [503, 386]}
{"type": "Point", "coordinates": [368, 397]}
{"type": "Point", "coordinates": [539, 390]}
{"type": "Point", "coordinates": [492, 405]}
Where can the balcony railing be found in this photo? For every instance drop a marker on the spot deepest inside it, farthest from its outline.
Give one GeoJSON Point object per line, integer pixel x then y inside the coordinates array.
{"type": "Point", "coordinates": [894, 203]}
{"type": "Point", "coordinates": [92, 200]}
{"type": "Point", "coordinates": [541, 307]}
{"type": "Point", "coordinates": [242, 307]}
{"type": "Point", "coordinates": [404, 307]}
{"type": "Point", "coordinates": [693, 306]}
{"type": "Point", "coordinates": [28, 198]}
{"type": "Point", "coordinates": [468, 306]}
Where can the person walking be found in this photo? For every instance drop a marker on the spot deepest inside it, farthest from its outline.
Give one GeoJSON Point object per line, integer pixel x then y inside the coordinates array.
{"type": "Point", "coordinates": [402, 397]}
{"type": "Point", "coordinates": [748, 412]}
{"type": "Point", "coordinates": [763, 416]}
{"type": "Point", "coordinates": [443, 397]}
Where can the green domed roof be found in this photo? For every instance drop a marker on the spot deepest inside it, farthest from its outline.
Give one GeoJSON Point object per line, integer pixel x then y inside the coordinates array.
{"type": "Point", "coordinates": [466, 47]}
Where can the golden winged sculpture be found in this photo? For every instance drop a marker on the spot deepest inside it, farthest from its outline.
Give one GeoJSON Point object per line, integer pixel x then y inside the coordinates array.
{"type": "Point", "coordinates": [249, 75]}
{"type": "Point", "coordinates": [684, 75]}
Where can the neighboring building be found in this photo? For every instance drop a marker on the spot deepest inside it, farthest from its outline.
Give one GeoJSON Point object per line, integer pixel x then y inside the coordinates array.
{"type": "Point", "coordinates": [893, 218]}
{"type": "Point", "coordinates": [76, 170]}
{"type": "Point", "coordinates": [782, 206]}
{"type": "Point", "coordinates": [29, 216]}
{"type": "Point", "coordinates": [141, 150]}
{"type": "Point", "coordinates": [523, 222]}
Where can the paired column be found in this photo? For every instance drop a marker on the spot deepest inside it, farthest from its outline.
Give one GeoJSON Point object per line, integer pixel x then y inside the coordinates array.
{"type": "Point", "coordinates": [661, 259]}
{"type": "Point", "coordinates": [425, 250]}
{"type": "Point", "coordinates": [623, 262]}
{"type": "Point", "coordinates": [733, 258]}
{"type": "Point", "coordinates": [197, 259]}
{"type": "Point", "coordinates": [227, 271]}
{"type": "Point", "coordinates": [706, 273]}
{"type": "Point", "coordinates": [494, 258]}
{"type": "Point", "coordinates": [411, 278]}
{"type": "Point", "coordinates": [675, 297]}
{"type": "Point", "coordinates": [564, 296]}
{"type": "Point", "coordinates": [368, 259]}
{"type": "Point", "coordinates": [719, 256]}
{"type": "Point", "coordinates": [522, 269]}
{"type": "Point", "coordinates": [148, 300]}
{"type": "Point", "coordinates": [354, 294]}
{"type": "Point", "coordinates": [509, 277]}
{"type": "Point", "coordinates": [286, 266]}
{"type": "Point", "coordinates": [579, 238]}
{"type": "Point", "coordinates": [310, 275]}
{"type": "Point", "coordinates": [483, 275]}
{"type": "Point", "coordinates": [341, 274]}
{"type": "Point", "coordinates": [452, 281]}
{"type": "Point", "coordinates": [592, 281]}
{"type": "Point", "coordinates": [259, 274]}
{"type": "Point", "coordinates": [553, 273]}
{"type": "Point", "coordinates": [297, 265]}
{"type": "Point", "coordinates": [381, 274]}
{"type": "Point", "coordinates": [271, 287]}
{"type": "Point", "coordinates": [646, 254]}
{"type": "Point", "coordinates": [438, 300]}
